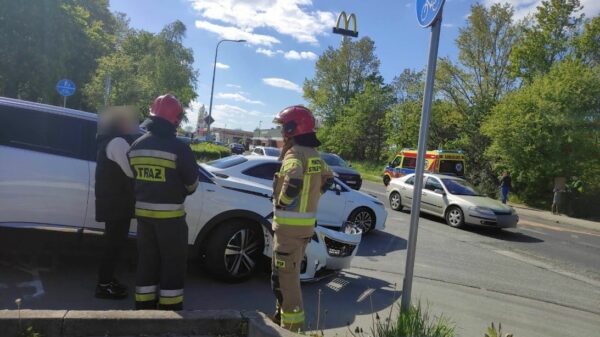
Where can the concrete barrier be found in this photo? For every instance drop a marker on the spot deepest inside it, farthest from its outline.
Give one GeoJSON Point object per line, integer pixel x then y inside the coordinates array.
{"type": "Point", "coordinates": [81, 323]}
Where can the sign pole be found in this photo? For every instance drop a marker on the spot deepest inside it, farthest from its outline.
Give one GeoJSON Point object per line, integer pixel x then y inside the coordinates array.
{"type": "Point", "coordinates": [64, 101]}
{"type": "Point", "coordinates": [421, 151]}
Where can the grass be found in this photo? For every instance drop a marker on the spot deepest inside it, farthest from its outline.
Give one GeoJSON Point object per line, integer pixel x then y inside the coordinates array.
{"type": "Point", "coordinates": [369, 170]}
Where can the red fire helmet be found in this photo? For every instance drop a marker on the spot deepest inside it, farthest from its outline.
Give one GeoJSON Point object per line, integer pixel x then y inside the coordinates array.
{"type": "Point", "coordinates": [296, 120]}
{"type": "Point", "coordinates": [167, 107]}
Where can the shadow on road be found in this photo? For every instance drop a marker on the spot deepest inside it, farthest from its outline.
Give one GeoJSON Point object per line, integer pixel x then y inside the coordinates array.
{"type": "Point", "coordinates": [503, 234]}
{"type": "Point", "coordinates": [379, 243]}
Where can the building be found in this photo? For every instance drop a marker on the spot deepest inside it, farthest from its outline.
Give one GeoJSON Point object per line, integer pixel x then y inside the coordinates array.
{"type": "Point", "coordinates": [228, 136]}
{"type": "Point", "coordinates": [268, 137]}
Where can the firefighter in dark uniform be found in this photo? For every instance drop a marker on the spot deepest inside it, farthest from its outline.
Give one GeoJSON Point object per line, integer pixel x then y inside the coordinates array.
{"type": "Point", "coordinates": [297, 188]}
{"type": "Point", "coordinates": [165, 173]}
{"type": "Point", "coordinates": [114, 194]}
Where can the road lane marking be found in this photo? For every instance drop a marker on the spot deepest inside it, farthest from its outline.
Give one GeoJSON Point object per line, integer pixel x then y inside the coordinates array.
{"type": "Point", "coordinates": [547, 266]}
{"type": "Point", "coordinates": [557, 229]}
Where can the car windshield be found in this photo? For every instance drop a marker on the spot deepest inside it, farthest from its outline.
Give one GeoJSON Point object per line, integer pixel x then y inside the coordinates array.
{"type": "Point", "coordinates": [227, 162]}
{"type": "Point", "coordinates": [333, 160]}
{"type": "Point", "coordinates": [272, 152]}
{"type": "Point", "coordinates": [460, 187]}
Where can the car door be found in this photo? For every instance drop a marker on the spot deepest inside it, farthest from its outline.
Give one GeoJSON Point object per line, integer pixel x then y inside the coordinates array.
{"type": "Point", "coordinates": [433, 199]}
{"type": "Point", "coordinates": [406, 191]}
{"type": "Point", "coordinates": [332, 205]}
{"type": "Point", "coordinates": [45, 177]}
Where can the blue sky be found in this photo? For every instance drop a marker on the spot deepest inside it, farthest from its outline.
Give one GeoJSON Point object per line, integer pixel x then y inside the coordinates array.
{"type": "Point", "coordinates": [258, 78]}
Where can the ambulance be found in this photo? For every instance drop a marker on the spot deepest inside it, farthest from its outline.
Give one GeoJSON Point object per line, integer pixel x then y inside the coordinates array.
{"type": "Point", "coordinates": [436, 161]}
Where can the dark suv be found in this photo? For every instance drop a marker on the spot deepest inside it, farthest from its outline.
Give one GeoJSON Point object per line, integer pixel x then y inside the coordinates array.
{"type": "Point", "coordinates": [345, 173]}
{"type": "Point", "coordinates": [237, 148]}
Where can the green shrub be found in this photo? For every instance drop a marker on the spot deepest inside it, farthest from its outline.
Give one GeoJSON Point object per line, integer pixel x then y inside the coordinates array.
{"type": "Point", "coordinates": [369, 170]}
{"type": "Point", "coordinates": [207, 151]}
{"type": "Point", "coordinates": [492, 332]}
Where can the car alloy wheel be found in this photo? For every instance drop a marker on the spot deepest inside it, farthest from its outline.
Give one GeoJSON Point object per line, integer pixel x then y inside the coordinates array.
{"type": "Point", "coordinates": [395, 201]}
{"type": "Point", "coordinates": [455, 217]}
{"type": "Point", "coordinates": [364, 217]}
{"type": "Point", "coordinates": [241, 251]}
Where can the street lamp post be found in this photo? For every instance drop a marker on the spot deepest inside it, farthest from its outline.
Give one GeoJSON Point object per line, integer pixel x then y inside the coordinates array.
{"type": "Point", "coordinates": [212, 87]}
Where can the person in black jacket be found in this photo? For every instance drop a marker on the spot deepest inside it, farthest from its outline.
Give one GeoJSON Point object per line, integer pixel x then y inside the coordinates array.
{"type": "Point", "coordinates": [166, 172]}
{"type": "Point", "coordinates": [114, 194]}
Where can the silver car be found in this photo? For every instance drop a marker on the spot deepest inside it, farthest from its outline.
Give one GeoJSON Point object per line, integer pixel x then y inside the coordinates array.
{"type": "Point", "coordinates": [453, 199]}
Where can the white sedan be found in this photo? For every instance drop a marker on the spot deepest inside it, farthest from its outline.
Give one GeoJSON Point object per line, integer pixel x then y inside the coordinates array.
{"type": "Point", "coordinates": [338, 205]}
{"type": "Point", "coordinates": [453, 199]}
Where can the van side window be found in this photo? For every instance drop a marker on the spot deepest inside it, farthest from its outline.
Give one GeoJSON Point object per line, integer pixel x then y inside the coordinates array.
{"type": "Point", "coordinates": [42, 132]}
{"type": "Point", "coordinates": [409, 162]}
{"type": "Point", "coordinates": [396, 161]}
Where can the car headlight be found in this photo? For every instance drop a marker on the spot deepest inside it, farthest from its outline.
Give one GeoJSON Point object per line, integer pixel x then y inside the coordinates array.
{"type": "Point", "coordinates": [483, 210]}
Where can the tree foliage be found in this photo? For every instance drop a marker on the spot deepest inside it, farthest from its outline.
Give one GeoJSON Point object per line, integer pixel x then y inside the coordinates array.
{"type": "Point", "coordinates": [549, 128]}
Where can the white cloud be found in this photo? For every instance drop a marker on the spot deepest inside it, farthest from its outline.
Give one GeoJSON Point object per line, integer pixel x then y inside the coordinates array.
{"type": "Point", "coordinates": [525, 7]}
{"type": "Point", "coordinates": [236, 117]}
{"type": "Point", "coordinates": [222, 65]}
{"type": "Point", "coordinates": [448, 25]}
{"type": "Point", "coordinates": [293, 18]}
{"type": "Point", "coordinates": [269, 52]}
{"type": "Point", "coordinates": [239, 96]}
{"type": "Point", "coordinates": [235, 86]}
{"type": "Point", "coordinates": [303, 55]}
{"type": "Point", "coordinates": [290, 55]}
{"type": "Point", "coordinates": [282, 83]}
{"type": "Point", "coordinates": [234, 33]}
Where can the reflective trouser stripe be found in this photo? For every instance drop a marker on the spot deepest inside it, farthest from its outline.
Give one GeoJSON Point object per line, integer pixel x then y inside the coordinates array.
{"type": "Point", "coordinates": [153, 153]}
{"type": "Point", "coordinates": [152, 161]}
{"type": "Point", "coordinates": [145, 293]}
{"type": "Point", "coordinates": [295, 221]}
{"type": "Point", "coordinates": [146, 289]}
{"type": "Point", "coordinates": [283, 199]}
{"type": "Point", "coordinates": [292, 318]}
{"type": "Point", "coordinates": [145, 297]}
{"type": "Point", "coordinates": [159, 214]}
{"type": "Point", "coordinates": [158, 207]}
{"type": "Point", "coordinates": [171, 300]}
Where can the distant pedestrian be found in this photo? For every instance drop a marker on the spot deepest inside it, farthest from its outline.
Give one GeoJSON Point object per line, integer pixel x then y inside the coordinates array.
{"type": "Point", "coordinates": [114, 194]}
{"type": "Point", "coordinates": [505, 185]}
{"type": "Point", "coordinates": [556, 200]}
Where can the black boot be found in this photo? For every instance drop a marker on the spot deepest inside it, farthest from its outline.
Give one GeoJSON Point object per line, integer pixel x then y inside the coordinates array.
{"type": "Point", "coordinates": [113, 291]}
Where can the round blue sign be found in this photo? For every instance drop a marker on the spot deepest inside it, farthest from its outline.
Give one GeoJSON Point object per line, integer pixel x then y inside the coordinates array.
{"type": "Point", "coordinates": [428, 11]}
{"type": "Point", "coordinates": [65, 87]}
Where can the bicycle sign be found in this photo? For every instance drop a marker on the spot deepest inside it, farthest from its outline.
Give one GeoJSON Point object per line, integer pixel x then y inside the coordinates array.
{"type": "Point", "coordinates": [428, 11]}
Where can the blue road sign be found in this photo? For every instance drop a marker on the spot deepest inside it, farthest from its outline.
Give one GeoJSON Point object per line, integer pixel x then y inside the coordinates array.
{"type": "Point", "coordinates": [65, 87]}
{"type": "Point", "coordinates": [428, 11]}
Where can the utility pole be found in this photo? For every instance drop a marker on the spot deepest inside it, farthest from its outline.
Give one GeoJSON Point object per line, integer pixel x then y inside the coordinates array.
{"type": "Point", "coordinates": [212, 87]}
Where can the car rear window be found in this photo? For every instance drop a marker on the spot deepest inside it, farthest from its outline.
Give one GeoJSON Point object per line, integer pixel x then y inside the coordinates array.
{"type": "Point", "coordinates": [227, 162]}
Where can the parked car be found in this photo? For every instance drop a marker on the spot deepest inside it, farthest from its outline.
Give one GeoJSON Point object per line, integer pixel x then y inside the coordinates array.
{"type": "Point", "coordinates": [47, 182]}
{"type": "Point", "coordinates": [336, 206]}
{"type": "Point", "coordinates": [266, 151]}
{"type": "Point", "coordinates": [343, 170]}
{"type": "Point", "coordinates": [237, 148]}
{"type": "Point", "coordinates": [453, 199]}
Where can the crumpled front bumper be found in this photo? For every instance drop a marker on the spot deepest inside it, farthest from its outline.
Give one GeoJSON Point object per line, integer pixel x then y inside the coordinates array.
{"type": "Point", "coordinates": [328, 251]}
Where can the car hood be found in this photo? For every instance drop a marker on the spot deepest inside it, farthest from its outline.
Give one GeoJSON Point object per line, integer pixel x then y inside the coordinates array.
{"type": "Point", "coordinates": [482, 201]}
{"type": "Point", "coordinates": [344, 170]}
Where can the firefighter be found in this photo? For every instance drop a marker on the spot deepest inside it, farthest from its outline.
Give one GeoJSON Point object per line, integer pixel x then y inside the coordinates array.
{"type": "Point", "coordinates": [165, 173]}
{"type": "Point", "coordinates": [114, 194]}
{"type": "Point", "coordinates": [297, 188]}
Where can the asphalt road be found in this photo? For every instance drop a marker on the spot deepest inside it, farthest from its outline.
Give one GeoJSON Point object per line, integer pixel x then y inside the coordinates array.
{"type": "Point", "coordinates": [540, 279]}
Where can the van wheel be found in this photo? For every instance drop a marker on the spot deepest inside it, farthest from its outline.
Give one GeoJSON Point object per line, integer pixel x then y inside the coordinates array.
{"type": "Point", "coordinates": [234, 250]}
{"type": "Point", "coordinates": [455, 217]}
{"type": "Point", "coordinates": [386, 180]}
{"type": "Point", "coordinates": [395, 201]}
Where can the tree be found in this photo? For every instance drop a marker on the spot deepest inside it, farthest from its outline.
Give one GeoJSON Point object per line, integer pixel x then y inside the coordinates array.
{"type": "Point", "coordinates": [144, 66]}
{"type": "Point", "coordinates": [547, 39]}
{"type": "Point", "coordinates": [44, 41]}
{"type": "Point", "coordinates": [588, 44]}
{"type": "Point", "coordinates": [478, 81]}
{"type": "Point", "coordinates": [549, 128]}
{"type": "Point", "coordinates": [340, 74]}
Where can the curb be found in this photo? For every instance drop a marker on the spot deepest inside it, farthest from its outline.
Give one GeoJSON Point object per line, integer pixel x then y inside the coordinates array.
{"type": "Point", "coordinates": [80, 323]}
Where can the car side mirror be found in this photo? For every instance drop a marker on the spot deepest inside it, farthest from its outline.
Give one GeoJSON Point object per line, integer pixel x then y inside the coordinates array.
{"type": "Point", "coordinates": [439, 191]}
{"type": "Point", "coordinates": [338, 189]}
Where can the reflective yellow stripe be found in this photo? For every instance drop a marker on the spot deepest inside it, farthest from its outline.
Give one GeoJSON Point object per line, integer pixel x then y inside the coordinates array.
{"type": "Point", "coordinates": [305, 192]}
{"type": "Point", "coordinates": [145, 297]}
{"type": "Point", "coordinates": [171, 300]}
{"type": "Point", "coordinates": [289, 164]}
{"type": "Point", "coordinates": [152, 161]}
{"type": "Point", "coordinates": [283, 199]}
{"type": "Point", "coordinates": [295, 221]}
{"type": "Point", "coordinates": [292, 318]}
{"type": "Point", "coordinates": [159, 214]}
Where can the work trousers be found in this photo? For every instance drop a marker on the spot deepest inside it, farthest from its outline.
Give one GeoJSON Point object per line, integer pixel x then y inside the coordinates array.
{"type": "Point", "coordinates": [289, 245]}
{"type": "Point", "coordinates": [162, 263]}
{"type": "Point", "coordinates": [115, 238]}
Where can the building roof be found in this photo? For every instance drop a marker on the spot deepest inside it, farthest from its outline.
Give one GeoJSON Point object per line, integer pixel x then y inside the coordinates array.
{"type": "Point", "coordinates": [274, 133]}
